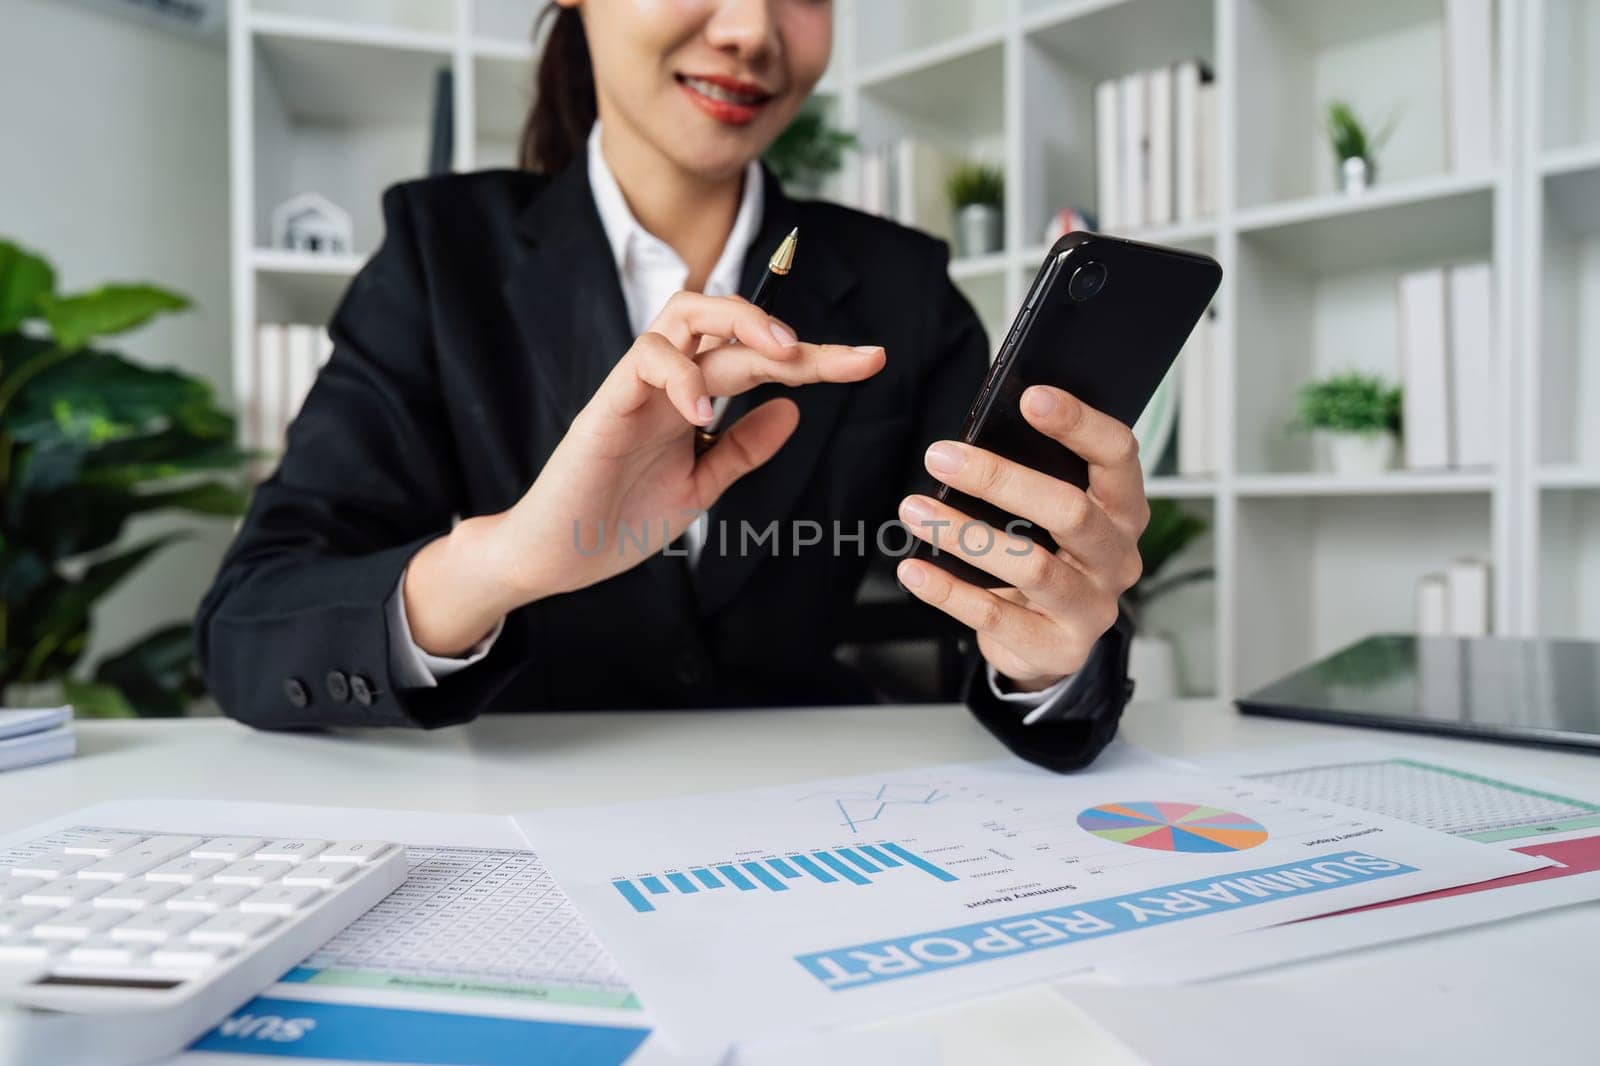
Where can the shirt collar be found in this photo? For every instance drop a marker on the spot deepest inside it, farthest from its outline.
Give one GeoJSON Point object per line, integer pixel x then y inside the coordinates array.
{"type": "Point", "coordinates": [629, 239]}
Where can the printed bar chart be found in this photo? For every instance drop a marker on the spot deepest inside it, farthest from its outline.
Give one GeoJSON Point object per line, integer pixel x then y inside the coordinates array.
{"type": "Point", "coordinates": [856, 865]}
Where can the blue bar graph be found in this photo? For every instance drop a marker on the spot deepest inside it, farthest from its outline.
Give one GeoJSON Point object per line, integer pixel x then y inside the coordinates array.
{"type": "Point", "coordinates": [857, 865]}
{"type": "Point", "coordinates": [736, 879]}
{"type": "Point", "coordinates": [877, 856]}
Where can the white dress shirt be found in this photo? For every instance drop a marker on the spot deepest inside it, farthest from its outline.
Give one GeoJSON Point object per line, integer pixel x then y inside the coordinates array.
{"type": "Point", "coordinates": [650, 272]}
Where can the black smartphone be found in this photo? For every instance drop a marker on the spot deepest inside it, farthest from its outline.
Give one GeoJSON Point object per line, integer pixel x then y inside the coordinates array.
{"type": "Point", "coordinates": [1104, 319]}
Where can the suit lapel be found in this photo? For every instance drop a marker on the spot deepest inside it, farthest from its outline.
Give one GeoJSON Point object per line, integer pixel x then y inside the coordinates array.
{"type": "Point", "coordinates": [809, 301]}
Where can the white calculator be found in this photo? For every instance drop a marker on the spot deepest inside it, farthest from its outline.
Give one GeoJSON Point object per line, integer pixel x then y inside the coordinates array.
{"type": "Point", "coordinates": [123, 947]}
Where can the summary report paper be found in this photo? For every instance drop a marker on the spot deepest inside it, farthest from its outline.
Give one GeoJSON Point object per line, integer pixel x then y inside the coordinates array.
{"type": "Point", "coordinates": [769, 910]}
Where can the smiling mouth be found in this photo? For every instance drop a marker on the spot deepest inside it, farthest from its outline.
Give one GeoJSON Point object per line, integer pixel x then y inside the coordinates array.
{"type": "Point", "coordinates": [725, 93]}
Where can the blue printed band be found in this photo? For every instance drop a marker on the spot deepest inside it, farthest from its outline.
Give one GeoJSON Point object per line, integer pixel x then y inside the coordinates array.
{"type": "Point", "coordinates": [311, 1030]}
{"type": "Point", "coordinates": [861, 965]}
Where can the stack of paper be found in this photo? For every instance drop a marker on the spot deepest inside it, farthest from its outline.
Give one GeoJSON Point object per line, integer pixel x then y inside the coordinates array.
{"type": "Point", "coordinates": [33, 736]}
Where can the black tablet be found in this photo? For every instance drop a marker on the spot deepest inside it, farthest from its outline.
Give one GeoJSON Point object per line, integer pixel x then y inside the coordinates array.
{"type": "Point", "coordinates": [1493, 688]}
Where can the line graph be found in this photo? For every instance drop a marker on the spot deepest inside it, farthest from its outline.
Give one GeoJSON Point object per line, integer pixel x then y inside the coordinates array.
{"type": "Point", "coordinates": [857, 808]}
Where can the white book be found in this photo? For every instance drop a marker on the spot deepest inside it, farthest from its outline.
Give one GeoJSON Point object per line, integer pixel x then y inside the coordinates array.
{"type": "Point", "coordinates": [1158, 88]}
{"type": "Point", "coordinates": [31, 749]}
{"type": "Point", "coordinates": [1197, 417]}
{"type": "Point", "coordinates": [872, 181]}
{"type": "Point", "coordinates": [1424, 370]}
{"type": "Point", "coordinates": [1208, 150]}
{"type": "Point", "coordinates": [920, 177]}
{"type": "Point", "coordinates": [271, 355]}
{"type": "Point", "coordinates": [301, 368]}
{"type": "Point", "coordinates": [1433, 606]}
{"type": "Point", "coordinates": [1469, 84]}
{"type": "Point", "coordinates": [1133, 108]}
{"type": "Point", "coordinates": [1108, 153]}
{"type": "Point", "coordinates": [1473, 366]}
{"type": "Point", "coordinates": [1469, 598]}
{"type": "Point", "coordinates": [1185, 140]}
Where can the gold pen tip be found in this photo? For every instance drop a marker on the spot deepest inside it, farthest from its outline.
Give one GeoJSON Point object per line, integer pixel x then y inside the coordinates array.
{"type": "Point", "coordinates": [783, 259]}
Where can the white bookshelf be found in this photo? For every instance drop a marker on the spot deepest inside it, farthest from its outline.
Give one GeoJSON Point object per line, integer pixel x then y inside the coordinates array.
{"type": "Point", "coordinates": [1305, 561]}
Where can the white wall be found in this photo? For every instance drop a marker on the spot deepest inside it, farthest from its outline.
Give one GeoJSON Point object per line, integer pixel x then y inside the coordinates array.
{"type": "Point", "coordinates": [113, 163]}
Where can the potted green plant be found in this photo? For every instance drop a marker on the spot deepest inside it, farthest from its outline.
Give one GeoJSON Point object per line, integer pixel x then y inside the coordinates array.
{"type": "Point", "coordinates": [1153, 658]}
{"type": "Point", "coordinates": [808, 151]}
{"type": "Point", "coordinates": [1354, 149]}
{"type": "Point", "coordinates": [88, 441]}
{"type": "Point", "coordinates": [1359, 415]}
{"type": "Point", "coordinates": [977, 193]}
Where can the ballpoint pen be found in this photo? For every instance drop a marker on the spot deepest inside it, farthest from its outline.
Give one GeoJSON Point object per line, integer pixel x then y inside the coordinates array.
{"type": "Point", "coordinates": [778, 268]}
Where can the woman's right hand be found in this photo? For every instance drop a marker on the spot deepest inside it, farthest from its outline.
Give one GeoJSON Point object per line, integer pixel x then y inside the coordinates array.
{"type": "Point", "coordinates": [626, 471]}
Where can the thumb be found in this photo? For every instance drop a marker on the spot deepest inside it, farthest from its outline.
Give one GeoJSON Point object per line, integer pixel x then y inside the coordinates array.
{"type": "Point", "coordinates": [748, 444]}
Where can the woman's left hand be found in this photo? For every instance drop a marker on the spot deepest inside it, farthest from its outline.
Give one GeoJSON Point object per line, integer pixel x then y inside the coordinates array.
{"type": "Point", "coordinates": [1042, 627]}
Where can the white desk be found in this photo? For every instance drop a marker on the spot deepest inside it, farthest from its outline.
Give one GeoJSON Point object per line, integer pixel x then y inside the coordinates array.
{"type": "Point", "coordinates": [521, 762]}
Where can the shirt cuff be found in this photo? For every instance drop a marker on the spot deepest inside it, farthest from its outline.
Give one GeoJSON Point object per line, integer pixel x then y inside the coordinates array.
{"type": "Point", "coordinates": [1028, 701]}
{"type": "Point", "coordinates": [409, 665]}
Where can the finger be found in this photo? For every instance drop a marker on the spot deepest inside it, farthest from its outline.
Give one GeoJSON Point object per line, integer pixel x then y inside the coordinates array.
{"type": "Point", "coordinates": [746, 445]}
{"type": "Point", "coordinates": [652, 364]}
{"type": "Point", "coordinates": [1017, 561]}
{"type": "Point", "coordinates": [734, 368]}
{"type": "Point", "coordinates": [1030, 635]}
{"type": "Point", "coordinates": [1108, 446]}
{"type": "Point", "coordinates": [1076, 521]}
{"type": "Point", "coordinates": [689, 316]}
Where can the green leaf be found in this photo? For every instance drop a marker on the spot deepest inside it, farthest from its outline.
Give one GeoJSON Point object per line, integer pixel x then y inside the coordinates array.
{"type": "Point", "coordinates": [25, 281]}
{"type": "Point", "coordinates": [210, 497]}
{"type": "Point", "coordinates": [21, 573]}
{"type": "Point", "coordinates": [96, 397]}
{"type": "Point", "coordinates": [157, 674]}
{"type": "Point", "coordinates": [71, 608]}
{"type": "Point", "coordinates": [96, 701]}
{"type": "Point", "coordinates": [78, 319]}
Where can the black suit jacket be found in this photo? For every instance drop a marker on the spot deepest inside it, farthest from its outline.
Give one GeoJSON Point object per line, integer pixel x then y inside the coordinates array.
{"type": "Point", "coordinates": [461, 353]}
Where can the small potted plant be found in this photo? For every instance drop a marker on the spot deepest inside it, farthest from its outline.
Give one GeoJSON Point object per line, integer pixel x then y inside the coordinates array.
{"type": "Point", "coordinates": [977, 196]}
{"type": "Point", "coordinates": [1153, 658]}
{"type": "Point", "coordinates": [1360, 416]}
{"type": "Point", "coordinates": [808, 151]}
{"type": "Point", "coordinates": [1353, 148]}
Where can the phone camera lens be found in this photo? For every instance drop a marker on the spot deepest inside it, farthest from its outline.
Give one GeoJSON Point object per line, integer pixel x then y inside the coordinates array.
{"type": "Point", "coordinates": [1087, 281]}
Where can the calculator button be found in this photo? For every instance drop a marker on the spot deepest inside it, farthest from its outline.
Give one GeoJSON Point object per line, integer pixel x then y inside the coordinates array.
{"type": "Point", "coordinates": [134, 895]}
{"type": "Point", "coordinates": [250, 872]}
{"type": "Point", "coordinates": [282, 900]}
{"type": "Point", "coordinates": [289, 850]}
{"type": "Point", "coordinates": [99, 951]}
{"type": "Point", "coordinates": [232, 928]}
{"type": "Point", "coordinates": [186, 956]}
{"type": "Point", "coordinates": [15, 917]}
{"type": "Point", "coordinates": [101, 845]}
{"type": "Point", "coordinates": [136, 860]}
{"type": "Point", "coordinates": [319, 874]}
{"type": "Point", "coordinates": [156, 926]}
{"type": "Point", "coordinates": [356, 851]}
{"type": "Point", "coordinates": [26, 949]}
{"type": "Point", "coordinates": [208, 898]}
{"type": "Point", "coordinates": [76, 923]}
{"type": "Point", "coordinates": [51, 865]}
{"type": "Point", "coordinates": [185, 870]}
{"type": "Point", "coordinates": [229, 849]}
{"type": "Point", "coordinates": [63, 893]}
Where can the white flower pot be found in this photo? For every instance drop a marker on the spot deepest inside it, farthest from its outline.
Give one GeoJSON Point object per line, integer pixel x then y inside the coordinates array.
{"type": "Point", "coordinates": [1153, 665]}
{"type": "Point", "coordinates": [1361, 454]}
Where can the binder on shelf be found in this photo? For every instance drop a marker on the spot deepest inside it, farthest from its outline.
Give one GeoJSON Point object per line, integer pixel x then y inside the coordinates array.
{"type": "Point", "coordinates": [1186, 139]}
{"type": "Point", "coordinates": [920, 199]}
{"type": "Point", "coordinates": [1158, 94]}
{"type": "Point", "coordinates": [1469, 84]}
{"type": "Point", "coordinates": [1108, 151]}
{"type": "Point", "coordinates": [300, 369]}
{"type": "Point", "coordinates": [272, 354]}
{"type": "Point", "coordinates": [1473, 367]}
{"type": "Point", "coordinates": [1433, 606]}
{"type": "Point", "coordinates": [1197, 399]}
{"type": "Point", "coordinates": [1468, 598]}
{"type": "Point", "coordinates": [1133, 111]}
{"type": "Point", "coordinates": [1424, 370]}
{"type": "Point", "coordinates": [1208, 149]}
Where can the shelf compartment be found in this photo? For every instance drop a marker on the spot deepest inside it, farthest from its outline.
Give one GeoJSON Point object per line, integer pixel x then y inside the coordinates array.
{"type": "Point", "coordinates": [1316, 574]}
{"type": "Point", "coordinates": [1187, 614]}
{"type": "Point", "coordinates": [954, 100]}
{"type": "Point", "coordinates": [894, 36]}
{"type": "Point", "coordinates": [1569, 327]}
{"type": "Point", "coordinates": [1386, 57]}
{"type": "Point", "coordinates": [293, 287]}
{"type": "Point", "coordinates": [1393, 483]}
{"type": "Point", "coordinates": [988, 296]}
{"type": "Point", "coordinates": [374, 20]}
{"type": "Point", "coordinates": [502, 97]}
{"type": "Point", "coordinates": [1571, 79]}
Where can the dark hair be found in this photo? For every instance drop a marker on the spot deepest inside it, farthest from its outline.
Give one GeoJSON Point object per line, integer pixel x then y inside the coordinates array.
{"type": "Point", "coordinates": [564, 106]}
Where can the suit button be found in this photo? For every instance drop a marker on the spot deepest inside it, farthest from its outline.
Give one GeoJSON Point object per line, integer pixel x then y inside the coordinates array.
{"type": "Point", "coordinates": [361, 688]}
{"type": "Point", "coordinates": [338, 685]}
{"type": "Point", "coordinates": [298, 694]}
{"type": "Point", "coordinates": [689, 668]}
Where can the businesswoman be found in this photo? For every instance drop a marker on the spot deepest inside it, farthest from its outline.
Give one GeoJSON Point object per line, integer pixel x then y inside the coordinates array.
{"type": "Point", "coordinates": [491, 499]}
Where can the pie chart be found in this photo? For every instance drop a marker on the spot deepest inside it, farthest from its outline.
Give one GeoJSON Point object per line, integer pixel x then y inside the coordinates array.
{"type": "Point", "coordinates": [1173, 826]}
